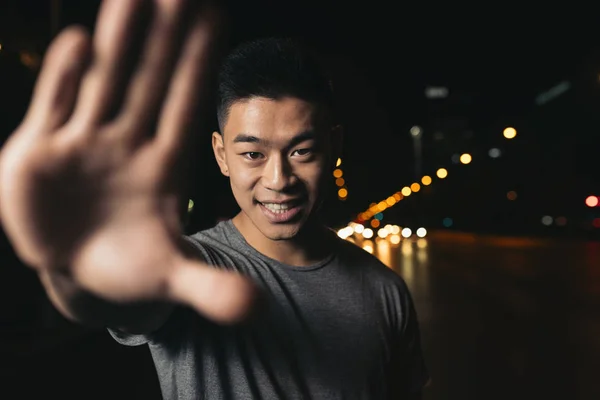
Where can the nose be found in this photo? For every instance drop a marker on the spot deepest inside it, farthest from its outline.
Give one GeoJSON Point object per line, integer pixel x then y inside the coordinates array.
{"type": "Point", "coordinates": [277, 174]}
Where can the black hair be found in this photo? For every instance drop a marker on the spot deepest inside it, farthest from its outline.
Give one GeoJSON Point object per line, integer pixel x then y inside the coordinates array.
{"type": "Point", "coordinates": [273, 67]}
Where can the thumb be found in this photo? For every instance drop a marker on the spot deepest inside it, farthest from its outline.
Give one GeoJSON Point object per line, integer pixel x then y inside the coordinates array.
{"type": "Point", "coordinates": [222, 296]}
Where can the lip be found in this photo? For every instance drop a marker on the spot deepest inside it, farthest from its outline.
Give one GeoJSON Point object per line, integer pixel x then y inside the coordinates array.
{"type": "Point", "coordinates": [293, 201]}
{"type": "Point", "coordinates": [283, 217]}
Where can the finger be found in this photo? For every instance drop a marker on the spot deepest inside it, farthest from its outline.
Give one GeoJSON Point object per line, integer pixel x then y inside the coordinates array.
{"type": "Point", "coordinates": [56, 88]}
{"type": "Point", "coordinates": [225, 297]}
{"type": "Point", "coordinates": [188, 86]}
{"type": "Point", "coordinates": [149, 82]}
{"type": "Point", "coordinates": [115, 32]}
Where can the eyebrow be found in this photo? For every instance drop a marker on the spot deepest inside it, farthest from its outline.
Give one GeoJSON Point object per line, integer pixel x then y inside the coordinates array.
{"type": "Point", "coordinates": [299, 138]}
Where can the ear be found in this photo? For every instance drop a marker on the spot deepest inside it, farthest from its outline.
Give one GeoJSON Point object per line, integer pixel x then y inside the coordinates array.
{"type": "Point", "coordinates": [219, 150]}
{"type": "Point", "coordinates": [337, 143]}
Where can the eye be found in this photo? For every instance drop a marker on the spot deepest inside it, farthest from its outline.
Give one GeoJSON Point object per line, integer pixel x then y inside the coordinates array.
{"type": "Point", "coordinates": [302, 152]}
{"type": "Point", "coordinates": [252, 155]}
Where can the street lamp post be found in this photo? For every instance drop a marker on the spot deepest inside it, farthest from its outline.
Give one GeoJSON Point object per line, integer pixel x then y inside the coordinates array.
{"type": "Point", "coordinates": [417, 133]}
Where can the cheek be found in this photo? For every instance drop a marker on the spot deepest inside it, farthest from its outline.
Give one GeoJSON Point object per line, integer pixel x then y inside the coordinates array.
{"type": "Point", "coordinates": [243, 178]}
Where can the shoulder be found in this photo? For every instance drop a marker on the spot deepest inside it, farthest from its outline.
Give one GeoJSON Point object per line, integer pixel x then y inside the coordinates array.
{"type": "Point", "coordinates": [354, 257]}
{"type": "Point", "coordinates": [219, 234]}
{"type": "Point", "coordinates": [217, 244]}
{"type": "Point", "coordinates": [386, 286]}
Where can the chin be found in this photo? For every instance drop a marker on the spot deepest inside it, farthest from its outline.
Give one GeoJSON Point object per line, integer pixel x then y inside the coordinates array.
{"type": "Point", "coordinates": [281, 233]}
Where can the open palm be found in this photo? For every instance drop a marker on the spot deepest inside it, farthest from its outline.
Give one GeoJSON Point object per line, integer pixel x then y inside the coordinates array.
{"type": "Point", "coordinates": [91, 192]}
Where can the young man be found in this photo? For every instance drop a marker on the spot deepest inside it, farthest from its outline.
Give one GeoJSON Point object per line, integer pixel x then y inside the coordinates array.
{"type": "Point", "coordinates": [88, 199]}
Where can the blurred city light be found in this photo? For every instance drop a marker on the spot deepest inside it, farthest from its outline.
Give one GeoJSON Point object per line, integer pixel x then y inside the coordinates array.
{"type": "Point", "coordinates": [436, 92]}
{"type": "Point", "coordinates": [494, 153]}
{"type": "Point", "coordinates": [426, 180]}
{"type": "Point", "coordinates": [510, 133]}
{"type": "Point", "coordinates": [382, 233]}
{"type": "Point", "coordinates": [592, 201]}
{"type": "Point", "coordinates": [465, 158]}
{"type": "Point", "coordinates": [415, 131]}
{"type": "Point", "coordinates": [442, 173]}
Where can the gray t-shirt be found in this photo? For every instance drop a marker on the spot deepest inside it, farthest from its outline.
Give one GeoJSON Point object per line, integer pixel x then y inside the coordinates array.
{"type": "Point", "coordinates": [344, 328]}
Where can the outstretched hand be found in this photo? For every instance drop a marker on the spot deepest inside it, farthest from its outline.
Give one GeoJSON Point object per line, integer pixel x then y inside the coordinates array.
{"type": "Point", "coordinates": [87, 179]}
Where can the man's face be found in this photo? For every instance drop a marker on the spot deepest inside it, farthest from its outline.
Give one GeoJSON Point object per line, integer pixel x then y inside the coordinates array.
{"type": "Point", "coordinates": [277, 157]}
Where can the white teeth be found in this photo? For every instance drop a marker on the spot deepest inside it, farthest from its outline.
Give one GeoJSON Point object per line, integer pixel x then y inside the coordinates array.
{"type": "Point", "coordinates": [276, 208]}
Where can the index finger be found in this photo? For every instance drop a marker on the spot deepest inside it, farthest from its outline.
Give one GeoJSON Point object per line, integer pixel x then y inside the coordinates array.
{"type": "Point", "coordinates": [56, 86]}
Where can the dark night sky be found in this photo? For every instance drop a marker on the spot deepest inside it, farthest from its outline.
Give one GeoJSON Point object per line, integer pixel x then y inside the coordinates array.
{"type": "Point", "coordinates": [494, 61]}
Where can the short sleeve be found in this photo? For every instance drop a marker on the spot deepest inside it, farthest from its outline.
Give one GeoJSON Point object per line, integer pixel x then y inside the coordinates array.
{"type": "Point", "coordinates": [129, 339]}
{"type": "Point", "coordinates": [174, 322]}
{"type": "Point", "coordinates": [410, 371]}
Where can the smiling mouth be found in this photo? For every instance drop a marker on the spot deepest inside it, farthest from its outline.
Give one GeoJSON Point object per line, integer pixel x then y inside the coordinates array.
{"type": "Point", "coordinates": [278, 208]}
{"type": "Point", "coordinates": [281, 212]}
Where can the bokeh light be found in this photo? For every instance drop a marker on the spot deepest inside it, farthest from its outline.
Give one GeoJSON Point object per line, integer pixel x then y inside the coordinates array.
{"type": "Point", "coordinates": [592, 201]}
{"type": "Point", "coordinates": [466, 158]}
{"type": "Point", "coordinates": [510, 133]}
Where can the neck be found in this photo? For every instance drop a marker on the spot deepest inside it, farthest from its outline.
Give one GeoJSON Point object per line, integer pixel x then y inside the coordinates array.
{"type": "Point", "coordinates": [311, 245]}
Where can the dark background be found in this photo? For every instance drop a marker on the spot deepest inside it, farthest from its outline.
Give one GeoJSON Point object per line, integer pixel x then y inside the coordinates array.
{"type": "Point", "coordinates": [494, 58]}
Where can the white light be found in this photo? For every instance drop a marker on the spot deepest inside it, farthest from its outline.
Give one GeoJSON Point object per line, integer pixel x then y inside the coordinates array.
{"type": "Point", "coordinates": [547, 220]}
{"type": "Point", "coordinates": [415, 131]}
{"type": "Point", "coordinates": [494, 153]}
{"type": "Point", "coordinates": [421, 232]}
{"type": "Point", "coordinates": [395, 239]}
{"type": "Point", "coordinates": [368, 233]}
{"type": "Point", "coordinates": [395, 229]}
{"type": "Point", "coordinates": [359, 228]}
{"type": "Point", "coordinates": [382, 233]}
{"type": "Point", "coordinates": [406, 232]}
{"type": "Point", "coordinates": [436, 92]}
{"type": "Point", "coordinates": [346, 232]}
